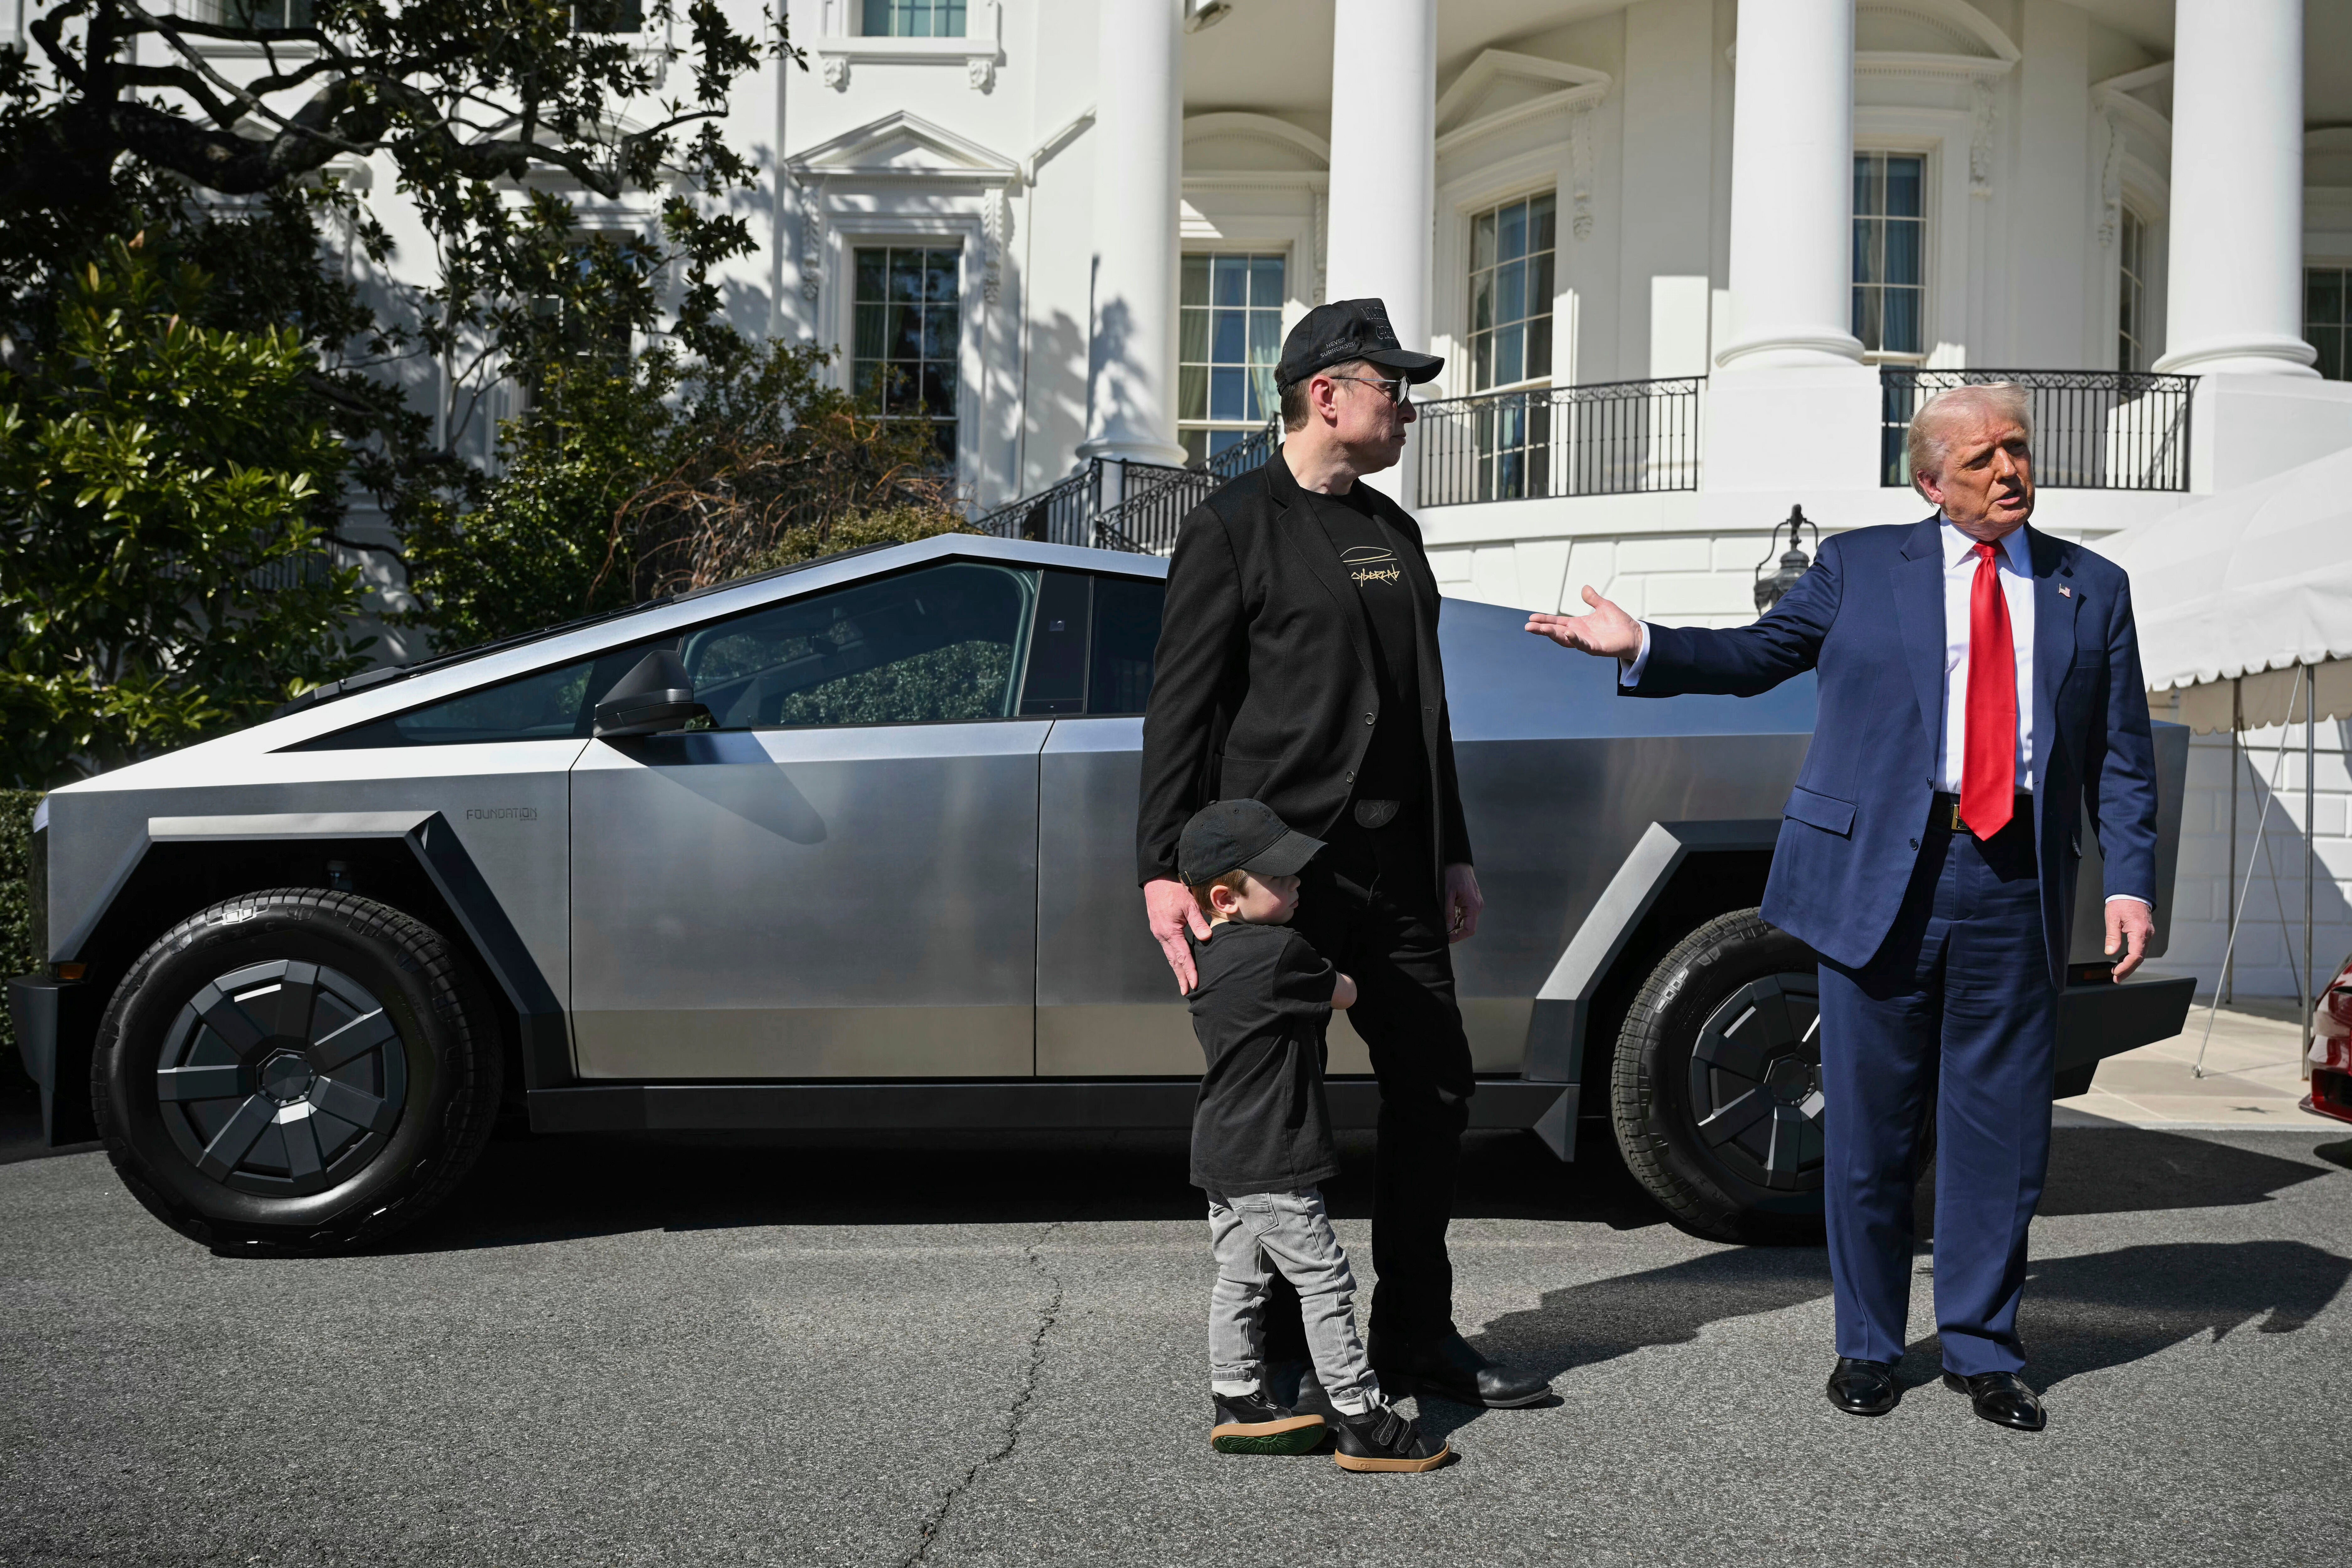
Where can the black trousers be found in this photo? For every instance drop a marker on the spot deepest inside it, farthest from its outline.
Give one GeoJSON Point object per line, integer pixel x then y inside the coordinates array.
{"type": "Point", "coordinates": [1367, 903]}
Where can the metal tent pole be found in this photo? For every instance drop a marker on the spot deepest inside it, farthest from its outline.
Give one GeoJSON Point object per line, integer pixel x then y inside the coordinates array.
{"type": "Point", "coordinates": [2310, 854]}
{"type": "Point", "coordinates": [2262, 823]}
{"type": "Point", "coordinates": [2237, 724]}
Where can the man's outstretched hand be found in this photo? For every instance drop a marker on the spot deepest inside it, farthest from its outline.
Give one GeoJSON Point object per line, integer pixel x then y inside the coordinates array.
{"type": "Point", "coordinates": [1170, 907]}
{"type": "Point", "coordinates": [1607, 631]}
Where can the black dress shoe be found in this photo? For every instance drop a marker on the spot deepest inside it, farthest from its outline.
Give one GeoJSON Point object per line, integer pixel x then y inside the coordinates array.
{"type": "Point", "coordinates": [2001, 1398]}
{"type": "Point", "coordinates": [1864, 1387]}
{"type": "Point", "coordinates": [1448, 1368]}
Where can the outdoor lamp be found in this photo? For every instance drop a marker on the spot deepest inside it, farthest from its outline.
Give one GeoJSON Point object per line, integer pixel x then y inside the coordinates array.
{"type": "Point", "coordinates": [1794, 561]}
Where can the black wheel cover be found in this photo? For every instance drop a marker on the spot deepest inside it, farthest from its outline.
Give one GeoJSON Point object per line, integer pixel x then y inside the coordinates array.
{"type": "Point", "coordinates": [281, 1079]}
{"type": "Point", "coordinates": [1755, 1082]}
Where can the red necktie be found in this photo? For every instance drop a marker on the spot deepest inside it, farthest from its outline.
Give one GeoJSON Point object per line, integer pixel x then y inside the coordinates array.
{"type": "Point", "coordinates": [1988, 764]}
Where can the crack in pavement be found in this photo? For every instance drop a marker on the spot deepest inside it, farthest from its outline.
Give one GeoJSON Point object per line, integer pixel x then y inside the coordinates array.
{"type": "Point", "coordinates": [1015, 1416]}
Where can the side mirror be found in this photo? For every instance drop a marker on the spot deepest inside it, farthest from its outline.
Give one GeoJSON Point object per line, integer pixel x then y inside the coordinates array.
{"type": "Point", "coordinates": [656, 695]}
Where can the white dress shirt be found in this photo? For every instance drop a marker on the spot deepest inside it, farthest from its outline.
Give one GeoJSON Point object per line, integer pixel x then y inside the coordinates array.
{"type": "Point", "coordinates": [2016, 569]}
{"type": "Point", "coordinates": [2015, 564]}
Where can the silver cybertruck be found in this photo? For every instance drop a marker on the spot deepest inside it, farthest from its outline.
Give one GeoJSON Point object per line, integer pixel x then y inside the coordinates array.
{"type": "Point", "coordinates": [852, 846]}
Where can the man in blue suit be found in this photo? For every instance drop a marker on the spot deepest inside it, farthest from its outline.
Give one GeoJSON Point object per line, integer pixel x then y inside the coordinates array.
{"type": "Point", "coordinates": [1978, 680]}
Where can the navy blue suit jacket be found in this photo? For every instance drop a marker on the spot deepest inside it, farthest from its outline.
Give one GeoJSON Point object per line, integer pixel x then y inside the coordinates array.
{"type": "Point", "coordinates": [1870, 618]}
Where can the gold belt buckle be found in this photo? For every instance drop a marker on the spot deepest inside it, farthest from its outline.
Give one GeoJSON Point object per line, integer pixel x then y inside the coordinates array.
{"type": "Point", "coordinates": [1956, 814]}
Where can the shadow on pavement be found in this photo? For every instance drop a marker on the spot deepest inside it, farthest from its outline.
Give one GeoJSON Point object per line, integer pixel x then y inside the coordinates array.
{"type": "Point", "coordinates": [547, 1189]}
{"type": "Point", "coordinates": [2088, 1313]}
{"type": "Point", "coordinates": [2135, 1170]}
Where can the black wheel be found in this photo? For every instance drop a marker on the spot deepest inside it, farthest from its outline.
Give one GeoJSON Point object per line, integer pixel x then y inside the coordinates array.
{"type": "Point", "coordinates": [1716, 1088]}
{"type": "Point", "coordinates": [296, 1068]}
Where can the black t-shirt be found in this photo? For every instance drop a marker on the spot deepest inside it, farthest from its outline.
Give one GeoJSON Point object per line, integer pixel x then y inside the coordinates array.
{"type": "Point", "coordinates": [1396, 764]}
{"type": "Point", "coordinates": [1260, 1008]}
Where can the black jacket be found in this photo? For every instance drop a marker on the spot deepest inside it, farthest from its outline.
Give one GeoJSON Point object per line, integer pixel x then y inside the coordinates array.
{"type": "Point", "coordinates": [1263, 685]}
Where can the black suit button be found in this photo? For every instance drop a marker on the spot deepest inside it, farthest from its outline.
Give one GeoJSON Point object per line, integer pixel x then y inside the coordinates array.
{"type": "Point", "coordinates": [1367, 718]}
{"type": "Point", "coordinates": [1351, 778]}
{"type": "Point", "coordinates": [1915, 844]}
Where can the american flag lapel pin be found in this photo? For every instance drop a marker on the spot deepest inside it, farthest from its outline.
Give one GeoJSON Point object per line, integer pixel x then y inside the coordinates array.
{"type": "Point", "coordinates": [2064, 592]}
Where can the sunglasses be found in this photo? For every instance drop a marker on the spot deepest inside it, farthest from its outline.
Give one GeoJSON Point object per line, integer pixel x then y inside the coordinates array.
{"type": "Point", "coordinates": [1396, 389]}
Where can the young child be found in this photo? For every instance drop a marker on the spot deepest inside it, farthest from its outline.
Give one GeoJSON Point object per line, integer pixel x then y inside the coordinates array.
{"type": "Point", "coordinates": [1262, 1143]}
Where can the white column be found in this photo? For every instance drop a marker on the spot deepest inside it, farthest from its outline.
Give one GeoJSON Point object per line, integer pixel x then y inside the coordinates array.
{"type": "Point", "coordinates": [1385, 172]}
{"type": "Point", "coordinates": [1792, 186]}
{"type": "Point", "coordinates": [2234, 288]}
{"type": "Point", "coordinates": [1384, 159]}
{"type": "Point", "coordinates": [1131, 361]}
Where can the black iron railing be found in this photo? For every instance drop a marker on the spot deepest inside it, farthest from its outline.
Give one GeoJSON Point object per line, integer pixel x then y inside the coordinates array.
{"type": "Point", "coordinates": [2092, 429]}
{"type": "Point", "coordinates": [1157, 498]}
{"type": "Point", "coordinates": [1617, 437]}
{"type": "Point", "coordinates": [1060, 514]}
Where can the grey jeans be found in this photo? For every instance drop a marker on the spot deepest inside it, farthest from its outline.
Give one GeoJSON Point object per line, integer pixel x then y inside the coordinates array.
{"type": "Point", "coordinates": [1254, 1236]}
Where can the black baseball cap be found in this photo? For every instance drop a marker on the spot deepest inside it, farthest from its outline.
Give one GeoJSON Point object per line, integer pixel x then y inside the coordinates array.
{"type": "Point", "coordinates": [1344, 331]}
{"type": "Point", "coordinates": [1240, 836]}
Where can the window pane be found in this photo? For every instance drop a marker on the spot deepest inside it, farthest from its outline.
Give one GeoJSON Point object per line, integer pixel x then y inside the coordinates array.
{"type": "Point", "coordinates": [1511, 238]}
{"type": "Point", "coordinates": [1482, 242]}
{"type": "Point", "coordinates": [1510, 354]}
{"type": "Point", "coordinates": [1901, 322]}
{"type": "Point", "coordinates": [1126, 632]}
{"type": "Point", "coordinates": [905, 275]}
{"type": "Point", "coordinates": [1902, 253]}
{"type": "Point", "coordinates": [1193, 337]}
{"type": "Point", "coordinates": [1538, 347]}
{"type": "Point", "coordinates": [2322, 296]}
{"type": "Point", "coordinates": [1226, 394]}
{"type": "Point", "coordinates": [1192, 392]}
{"type": "Point", "coordinates": [940, 329]}
{"type": "Point", "coordinates": [1231, 281]}
{"type": "Point", "coordinates": [1266, 337]}
{"type": "Point", "coordinates": [1542, 217]}
{"type": "Point", "coordinates": [934, 644]}
{"type": "Point", "coordinates": [1229, 337]}
{"type": "Point", "coordinates": [1196, 280]}
{"type": "Point", "coordinates": [1266, 282]}
{"type": "Point", "coordinates": [1905, 177]}
{"type": "Point", "coordinates": [872, 267]}
{"type": "Point", "coordinates": [1866, 191]}
{"type": "Point", "coordinates": [1055, 680]}
{"type": "Point", "coordinates": [869, 331]}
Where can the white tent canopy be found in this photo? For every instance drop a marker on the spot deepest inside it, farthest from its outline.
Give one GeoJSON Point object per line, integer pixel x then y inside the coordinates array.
{"type": "Point", "coordinates": [2245, 588]}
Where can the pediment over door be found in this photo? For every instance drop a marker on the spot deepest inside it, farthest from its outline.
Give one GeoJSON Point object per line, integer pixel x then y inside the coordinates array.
{"type": "Point", "coordinates": [1500, 88]}
{"type": "Point", "coordinates": [901, 145]}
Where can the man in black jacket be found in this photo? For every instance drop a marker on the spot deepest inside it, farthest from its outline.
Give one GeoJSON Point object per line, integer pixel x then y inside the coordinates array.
{"type": "Point", "coordinates": [1298, 665]}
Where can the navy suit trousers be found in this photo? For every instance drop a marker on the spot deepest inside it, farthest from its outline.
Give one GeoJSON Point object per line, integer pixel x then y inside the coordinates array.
{"type": "Point", "coordinates": [1954, 1017]}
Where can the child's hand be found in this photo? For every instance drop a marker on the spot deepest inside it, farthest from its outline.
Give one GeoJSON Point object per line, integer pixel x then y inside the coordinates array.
{"type": "Point", "coordinates": [1343, 994]}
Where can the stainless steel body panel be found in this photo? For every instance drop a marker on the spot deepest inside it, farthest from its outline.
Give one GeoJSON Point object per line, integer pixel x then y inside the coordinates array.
{"type": "Point", "coordinates": [951, 900]}
{"type": "Point", "coordinates": [808, 903]}
{"type": "Point", "coordinates": [508, 804]}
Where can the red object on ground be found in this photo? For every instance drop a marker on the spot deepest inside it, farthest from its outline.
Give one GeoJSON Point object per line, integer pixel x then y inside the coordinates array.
{"type": "Point", "coordinates": [2331, 1049]}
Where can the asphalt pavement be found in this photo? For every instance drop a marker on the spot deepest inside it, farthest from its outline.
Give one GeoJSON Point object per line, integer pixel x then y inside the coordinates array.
{"type": "Point", "coordinates": [696, 1351]}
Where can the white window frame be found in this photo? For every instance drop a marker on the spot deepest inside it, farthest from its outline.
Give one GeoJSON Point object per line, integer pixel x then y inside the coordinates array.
{"type": "Point", "coordinates": [1929, 221]}
{"type": "Point", "coordinates": [1538, 171]}
{"type": "Point", "coordinates": [1951, 325]}
{"type": "Point", "coordinates": [844, 234]}
{"type": "Point", "coordinates": [1461, 284]}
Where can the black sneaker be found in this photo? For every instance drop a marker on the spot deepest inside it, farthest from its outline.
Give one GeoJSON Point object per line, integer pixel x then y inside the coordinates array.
{"type": "Point", "coordinates": [1381, 1439]}
{"type": "Point", "coordinates": [1252, 1423]}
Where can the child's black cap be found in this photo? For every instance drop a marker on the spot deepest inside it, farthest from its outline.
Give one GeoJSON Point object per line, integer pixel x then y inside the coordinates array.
{"type": "Point", "coordinates": [1240, 836]}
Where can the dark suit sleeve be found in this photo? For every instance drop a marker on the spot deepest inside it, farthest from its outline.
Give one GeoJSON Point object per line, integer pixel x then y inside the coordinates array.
{"type": "Point", "coordinates": [1741, 661]}
{"type": "Point", "coordinates": [1452, 832]}
{"type": "Point", "coordinates": [2119, 765]}
{"type": "Point", "coordinates": [1203, 647]}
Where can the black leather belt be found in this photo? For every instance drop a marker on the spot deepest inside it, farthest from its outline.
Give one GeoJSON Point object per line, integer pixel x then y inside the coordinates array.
{"type": "Point", "coordinates": [1944, 816]}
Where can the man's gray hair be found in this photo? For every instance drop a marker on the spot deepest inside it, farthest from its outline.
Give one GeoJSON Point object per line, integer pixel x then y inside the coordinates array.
{"type": "Point", "coordinates": [1927, 443]}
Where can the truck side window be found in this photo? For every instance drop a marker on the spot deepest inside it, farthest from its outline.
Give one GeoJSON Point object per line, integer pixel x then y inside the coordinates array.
{"type": "Point", "coordinates": [557, 704]}
{"type": "Point", "coordinates": [939, 643]}
{"type": "Point", "coordinates": [1127, 633]}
